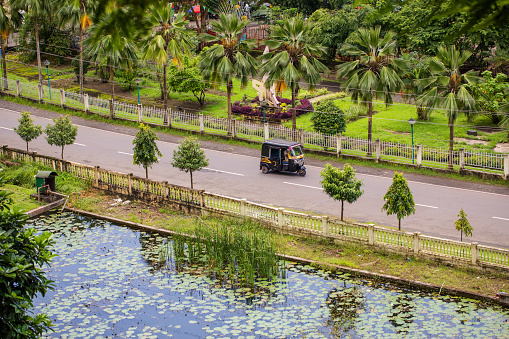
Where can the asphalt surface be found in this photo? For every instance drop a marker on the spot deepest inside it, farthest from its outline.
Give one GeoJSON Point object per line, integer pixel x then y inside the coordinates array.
{"type": "Point", "coordinates": [234, 171]}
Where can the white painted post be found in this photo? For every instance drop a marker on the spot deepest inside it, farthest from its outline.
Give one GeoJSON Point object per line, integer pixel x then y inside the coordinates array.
{"type": "Point", "coordinates": [419, 155]}
{"type": "Point", "coordinates": [371, 234]}
{"type": "Point", "coordinates": [53, 165]}
{"type": "Point", "coordinates": [62, 98]}
{"type": "Point", "coordinates": [39, 87]}
{"type": "Point", "coordinates": [234, 128]}
{"type": "Point", "coordinates": [97, 176]}
{"type": "Point", "coordinates": [202, 123]}
{"type": "Point", "coordinates": [281, 217]}
{"type": "Point", "coordinates": [301, 136]}
{"type": "Point", "coordinates": [87, 103]}
{"type": "Point", "coordinates": [378, 150]}
{"type": "Point", "coordinates": [170, 116]}
{"type": "Point", "coordinates": [165, 189]}
{"type": "Point", "coordinates": [140, 113]}
{"type": "Point", "coordinates": [506, 166]}
{"type": "Point", "coordinates": [129, 183]}
{"type": "Point", "coordinates": [325, 226]}
{"type": "Point", "coordinates": [462, 159]}
{"type": "Point", "coordinates": [417, 243]}
{"type": "Point", "coordinates": [112, 109]}
{"type": "Point", "coordinates": [18, 88]}
{"type": "Point", "coordinates": [473, 252]}
{"type": "Point", "coordinates": [266, 135]}
{"type": "Point", "coordinates": [243, 209]}
{"type": "Point", "coordinates": [338, 144]}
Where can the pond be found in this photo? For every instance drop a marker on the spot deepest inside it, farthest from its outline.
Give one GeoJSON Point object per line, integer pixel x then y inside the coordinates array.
{"type": "Point", "coordinates": [110, 283]}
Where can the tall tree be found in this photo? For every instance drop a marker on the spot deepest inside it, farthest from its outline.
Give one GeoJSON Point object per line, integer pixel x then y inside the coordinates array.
{"type": "Point", "coordinates": [168, 38]}
{"type": "Point", "coordinates": [145, 148]}
{"type": "Point", "coordinates": [463, 225]}
{"type": "Point", "coordinates": [228, 58]}
{"type": "Point", "coordinates": [399, 199]}
{"type": "Point", "coordinates": [61, 133]}
{"type": "Point", "coordinates": [10, 19]}
{"type": "Point", "coordinates": [26, 128]}
{"type": "Point", "coordinates": [371, 76]}
{"type": "Point", "coordinates": [446, 88]}
{"type": "Point", "coordinates": [36, 8]}
{"type": "Point", "coordinates": [189, 157]}
{"type": "Point", "coordinates": [293, 60]}
{"type": "Point", "coordinates": [340, 184]}
{"type": "Point", "coordinates": [76, 13]}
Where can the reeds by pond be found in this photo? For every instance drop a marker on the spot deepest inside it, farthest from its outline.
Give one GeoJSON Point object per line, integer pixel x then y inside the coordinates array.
{"type": "Point", "coordinates": [238, 252]}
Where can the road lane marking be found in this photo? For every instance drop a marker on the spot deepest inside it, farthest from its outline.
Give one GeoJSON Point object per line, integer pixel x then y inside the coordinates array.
{"type": "Point", "coordinates": [425, 206]}
{"type": "Point", "coordinates": [9, 129]}
{"type": "Point", "coordinates": [125, 153]}
{"type": "Point", "coordinates": [291, 183]}
{"type": "Point", "coordinates": [501, 218]}
{"type": "Point", "coordinates": [215, 170]}
{"type": "Point", "coordinates": [79, 144]}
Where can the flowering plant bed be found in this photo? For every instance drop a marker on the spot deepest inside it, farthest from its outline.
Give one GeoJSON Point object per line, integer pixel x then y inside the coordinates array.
{"type": "Point", "coordinates": [252, 110]}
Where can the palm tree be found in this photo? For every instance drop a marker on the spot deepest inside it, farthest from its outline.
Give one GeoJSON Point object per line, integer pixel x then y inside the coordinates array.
{"type": "Point", "coordinates": [446, 88]}
{"type": "Point", "coordinates": [8, 21]}
{"type": "Point", "coordinates": [108, 46]}
{"type": "Point", "coordinates": [36, 8]}
{"type": "Point", "coordinates": [74, 12]}
{"type": "Point", "coordinates": [168, 38]}
{"type": "Point", "coordinates": [371, 76]}
{"type": "Point", "coordinates": [228, 58]}
{"type": "Point", "coordinates": [293, 59]}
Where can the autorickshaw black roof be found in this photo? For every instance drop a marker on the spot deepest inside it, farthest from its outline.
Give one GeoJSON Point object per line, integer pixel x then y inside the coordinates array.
{"type": "Point", "coordinates": [281, 142]}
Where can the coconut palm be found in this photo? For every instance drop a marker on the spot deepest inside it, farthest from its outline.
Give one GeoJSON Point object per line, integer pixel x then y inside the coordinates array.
{"type": "Point", "coordinates": [293, 59]}
{"type": "Point", "coordinates": [447, 88]}
{"type": "Point", "coordinates": [36, 8]}
{"type": "Point", "coordinates": [168, 38]}
{"type": "Point", "coordinates": [228, 58]}
{"type": "Point", "coordinates": [371, 76]}
{"type": "Point", "coordinates": [75, 13]}
{"type": "Point", "coordinates": [9, 19]}
{"type": "Point", "coordinates": [108, 46]}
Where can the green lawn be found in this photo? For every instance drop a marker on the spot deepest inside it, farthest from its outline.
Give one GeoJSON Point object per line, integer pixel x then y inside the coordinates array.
{"type": "Point", "coordinates": [21, 197]}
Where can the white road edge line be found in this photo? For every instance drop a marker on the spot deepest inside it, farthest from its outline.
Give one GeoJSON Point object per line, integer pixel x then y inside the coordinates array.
{"type": "Point", "coordinates": [79, 144]}
{"type": "Point", "coordinates": [7, 128]}
{"type": "Point", "coordinates": [291, 183]}
{"type": "Point", "coordinates": [426, 206]}
{"type": "Point", "coordinates": [501, 218]}
{"type": "Point", "coordinates": [125, 153]}
{"type": "Point", "coordinates": [215, 170]}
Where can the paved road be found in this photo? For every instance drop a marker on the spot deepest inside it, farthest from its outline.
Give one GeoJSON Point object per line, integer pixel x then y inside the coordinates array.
{"type": "Point", "coordinates": [238, 175]}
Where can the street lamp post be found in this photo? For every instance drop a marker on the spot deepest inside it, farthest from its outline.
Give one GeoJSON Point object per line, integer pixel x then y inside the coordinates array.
{"type": "Point", "coordinates": [412, 122]}
{"type": "Point", "coordinates": [47, 72]}
{"type": "Point", "coordinates": [137, 81]}
{"type": "Point", "coordinates": [263, 103]}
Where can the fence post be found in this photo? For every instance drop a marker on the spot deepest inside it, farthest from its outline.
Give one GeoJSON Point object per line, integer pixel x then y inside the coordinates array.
{"type": "Point", "coordinates": [87, 103]}
{"type": "Point", "coordinates": [417, 243]}
{"type": "Point", "coordinates": [325, 226]}
{"type": "Point", "coordinates": [338, 144]}
{"type": "Point", "coordinates": [473, 252]}
{"type": "Point", "coordinates": [112, 109]}
{"type": "Point", "coordinates": [202, 123]}
{"type": "Point", "coordinates": [281, 217]}
{"type": "Point", "coordinates": [378, 150]}
{"type": "Point", "coordinates": [53, 165]}
{"type": "Point", "coordinates": [170, 116]}
{"type": "Point", "coordinates": [39, 90]}
{"type": "Point", "coordinates": [4, 151]}
{"type": "Point", "coordinates": [266, 135]}
{"type": "Point", "coordinates": [62, 98]}
{"type": "Point", "coordinates": [301, 136]}
{"type": "Point", "coordinates": [234, 128]}
{"type": "Point", "coordinates": [462, 159]}
{"type": "Point", "coordinates": [165, 189]}
{"type": "Point", "coordinates": [18, 88]}
{"type": "Point", "coordinates": [97, 176]}
{"type": "Point", "coordinates": [129, 183]}
{"type": "Point", "coordinates": [140, 113]}
{"type": "Point", "coordinates": [371, 234]}
{"type": "Point", "coordinates": [34, 156]}
{"type": "Point", "coordinates": [201, 198]}
{"type": "Point", "coordinates": [243, 211]}
{"type": "Point", "coordinates": [419, 155]}
{"type": "Point", "coordinates": [506, 166]}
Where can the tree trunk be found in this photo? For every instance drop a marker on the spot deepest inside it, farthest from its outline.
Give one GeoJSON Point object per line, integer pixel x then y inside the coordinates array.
{"type": "Point", "coordinates": [229, 87]}
{"type": "Point", "coordinates": [165, 88]}
{"type": "Point", "coordinates": [370, 126]}
{"type": "Point", "coordinates": [399, 224]}
{"type": "Point", "coordinates": [191, 172]}
{"type": "Point", "coordinates": [461, 235]}
{"type": "Point", "coordinates": [342, 202]}
{"type": "Point", "coordinates": [146, 172]}
{"type": "Point", "coordinates": [294, 113]}
{"type": "Point", "coordinates": [81, 61]}
{"type": "Point", "coordinates": [451, 145]}
{"type": "Point", "coordinates": [112, 79]}
{"type": "Point", "coordinates": [62, 152]}
{"type": "Point", "coordinates": [36, 28]}
{"type": "Point", "coordinates": [27, 146]}
{"type": "Point", "coordinates": [3, 44]}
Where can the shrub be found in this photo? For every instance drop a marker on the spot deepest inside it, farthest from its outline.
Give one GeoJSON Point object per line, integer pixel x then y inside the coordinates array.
{"type": "Point", "coordinates": [328, 118]}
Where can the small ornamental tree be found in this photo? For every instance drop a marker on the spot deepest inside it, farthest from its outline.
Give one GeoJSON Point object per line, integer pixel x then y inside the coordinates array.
{"type": "Point", "coordinates": [62, 133]}
{"type": "Point", "coordinates": [341, 184]}
{"type": "Point", "coordinates": [328, 118]}
{"type": "Point", "coordinates": [26, 128]}
{"type": "Point", "coordinates": [399, 199]}
{"type": "Point", "coordinates": [188, 79]}
{"type": "Point", "coordinates": [189, 157]}
{"type": "Point", "coordinates": [24, 254]}
{"type": "Point", "coordinates": [463, 225]}
{"type": "Point", "coordinates": [145, 148]}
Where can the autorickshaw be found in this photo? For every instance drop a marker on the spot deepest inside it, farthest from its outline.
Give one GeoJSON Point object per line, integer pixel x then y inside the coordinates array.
{"type": "Point", "coordinates": [282, 156]}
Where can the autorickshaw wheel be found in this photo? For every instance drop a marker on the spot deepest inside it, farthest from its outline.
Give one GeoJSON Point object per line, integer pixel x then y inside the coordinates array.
{"type": "Point", "coordinates": [302, 172]}
{"type": "Point", "coordinates": [265, 169]}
